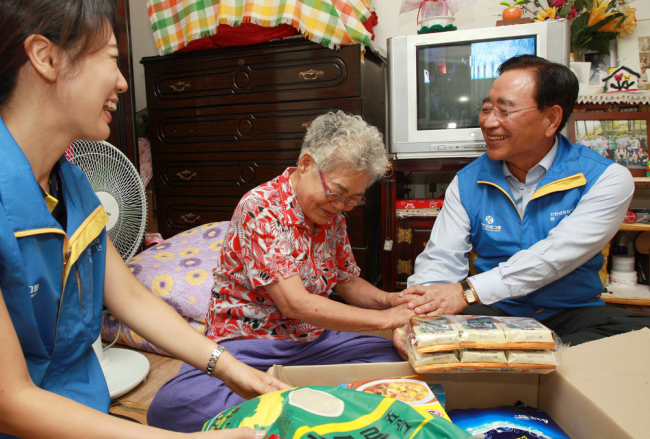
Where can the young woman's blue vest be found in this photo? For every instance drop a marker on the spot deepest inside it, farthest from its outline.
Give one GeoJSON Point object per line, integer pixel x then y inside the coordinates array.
{"type": "Point", "coordinates": [52, 282]}
{"type": "Point", "coordinates": [499, 230]}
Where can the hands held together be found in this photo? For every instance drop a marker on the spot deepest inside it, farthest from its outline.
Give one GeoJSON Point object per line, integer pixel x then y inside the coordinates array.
{"type": "Point", "coordinates": [432, 300]}
{"type": "Point", "coordinates": [435, 300]}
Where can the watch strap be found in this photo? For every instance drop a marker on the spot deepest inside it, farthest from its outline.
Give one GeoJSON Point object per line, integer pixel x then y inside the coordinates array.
{"type": "Point", "coordinates": [213, 359]}
{"type": "Point", "coordinates": [467, 288]}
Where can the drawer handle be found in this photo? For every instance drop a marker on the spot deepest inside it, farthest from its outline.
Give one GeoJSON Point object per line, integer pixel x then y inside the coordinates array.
{"type": "Point", "coordinates": [190, 218]}
{"type": "Point", "coordinates": [180, 86]}
{"type": "Point", "coordinates": [311, 75]}
{"type": "Point", "coordinates": [404, 267]}
{"type": "Point", "coordinates": [186, 175]}
{"type": "Point", "coordinates": [404, 235]}
{"type": "Point", "coordinates": [389, 170]}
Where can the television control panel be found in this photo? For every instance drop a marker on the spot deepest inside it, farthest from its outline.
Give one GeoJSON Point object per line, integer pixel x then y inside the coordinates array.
{"type": "Point", "coordinates": [459, 147]}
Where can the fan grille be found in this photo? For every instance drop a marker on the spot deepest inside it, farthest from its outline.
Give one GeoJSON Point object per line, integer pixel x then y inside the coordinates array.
{"type": "Point", "coordinates": [108, 170]}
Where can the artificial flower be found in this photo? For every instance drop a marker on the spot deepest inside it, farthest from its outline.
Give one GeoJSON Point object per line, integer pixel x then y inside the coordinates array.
{"type": "Point", "coordinates": [629, 24]}
{"type": "Point", "coordinates": [611, 26]}
{"type": "Point", "coordinates": [598, 12]}
{"type": "Point", "coordinates": [594, 23]}
{"type": "Point", "coordinates": [548, 14]}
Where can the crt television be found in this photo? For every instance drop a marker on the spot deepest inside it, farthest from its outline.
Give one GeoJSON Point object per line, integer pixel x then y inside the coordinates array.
{"type": "Point", "coordinates": [435, 82]}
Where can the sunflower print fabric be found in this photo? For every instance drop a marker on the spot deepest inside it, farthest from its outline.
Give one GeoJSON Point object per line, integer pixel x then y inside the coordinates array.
{"type": "Point", "coordinates": [177, 270]}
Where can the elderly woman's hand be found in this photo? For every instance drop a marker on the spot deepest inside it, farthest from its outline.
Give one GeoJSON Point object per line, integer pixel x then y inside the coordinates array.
{"type": "Point", "coordinates": [399, 315]}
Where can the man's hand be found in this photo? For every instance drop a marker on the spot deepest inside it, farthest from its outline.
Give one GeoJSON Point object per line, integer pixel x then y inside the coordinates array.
{"type": "Point", "coordinates": [436, 300]}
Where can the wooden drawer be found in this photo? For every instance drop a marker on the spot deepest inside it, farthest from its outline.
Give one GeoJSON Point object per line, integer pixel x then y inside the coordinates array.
{"type": "Point", "coordinates": [217, 174]}
{"type": "Point", "coordinates": [412, 237]}
{"type": "Point", "coordinates": [263, 127]}
{"type": "Point", "coordinates": [275, 73]}
{"type": "Point", "coordinates": [176, 214]}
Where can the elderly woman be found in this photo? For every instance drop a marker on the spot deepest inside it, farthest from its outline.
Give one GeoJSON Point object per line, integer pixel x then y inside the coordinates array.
{"type": "Point", "coordinates": [287, 249]}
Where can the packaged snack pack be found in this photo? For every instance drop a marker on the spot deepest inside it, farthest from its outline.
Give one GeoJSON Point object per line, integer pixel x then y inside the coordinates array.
{"type": "Point", "coordinates": [319, 412]}
{"type": "Point", "coordinates": [481, 343]}
{"type": "Point", "coordinates": [435, 334]}
{"type": "Point", "coordinates": [481, 332]}
{"type": "Point", "coordinates": [526, 333]}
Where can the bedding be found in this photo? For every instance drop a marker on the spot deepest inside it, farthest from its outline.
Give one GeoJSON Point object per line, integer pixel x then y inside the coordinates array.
{"type": "Point", "coordinates": [335, 23]}
{"type": "Point", "coordinates": [179, 270]}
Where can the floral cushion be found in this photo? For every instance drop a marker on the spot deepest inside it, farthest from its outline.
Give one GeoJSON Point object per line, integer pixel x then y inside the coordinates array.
{"type": "Point", "coordinates": [179, 271]}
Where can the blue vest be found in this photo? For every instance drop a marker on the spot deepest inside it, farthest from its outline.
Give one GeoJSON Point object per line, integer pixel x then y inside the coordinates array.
{"type": "Point", "coordinates": [499, 230]}
{"type": "Point", "coordinates": [53, 281]}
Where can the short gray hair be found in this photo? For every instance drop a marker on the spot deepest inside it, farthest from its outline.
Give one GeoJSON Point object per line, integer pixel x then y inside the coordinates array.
{"type": "Point", "coordinates": [343, 140]}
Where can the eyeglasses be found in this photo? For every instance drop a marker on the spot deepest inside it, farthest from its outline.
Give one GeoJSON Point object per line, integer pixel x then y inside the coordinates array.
{"type": "Point", "coordinates": [334, 198]}
{"type": "Point", "coordinates": [501, 114]}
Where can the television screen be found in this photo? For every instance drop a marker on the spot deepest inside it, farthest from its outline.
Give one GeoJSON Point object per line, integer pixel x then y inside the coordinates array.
{"type": "Point", "coordinates": [453, 79]}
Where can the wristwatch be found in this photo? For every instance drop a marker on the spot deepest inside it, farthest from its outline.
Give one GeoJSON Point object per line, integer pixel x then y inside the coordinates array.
{"type": "Point", "coordinates": [213, 359]}
{"type": "Point", "coordinates": [468, 292]}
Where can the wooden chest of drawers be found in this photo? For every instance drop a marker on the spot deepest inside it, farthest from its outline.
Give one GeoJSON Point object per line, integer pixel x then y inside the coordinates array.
{"type": "Point", "coordinates": [224, 121]}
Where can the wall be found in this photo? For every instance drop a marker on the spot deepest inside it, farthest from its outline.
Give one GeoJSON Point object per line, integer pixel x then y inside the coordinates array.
{"type": "Point", "coordinates": [484, 13]}
{"type": "Point", "coordinates": [142, 44]}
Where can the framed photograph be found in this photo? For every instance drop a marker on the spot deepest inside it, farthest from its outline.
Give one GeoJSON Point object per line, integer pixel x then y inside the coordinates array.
{"type": "Point", "coordinates": [621, 137]}
{"type": "Point", "coordinates": [600, 65]}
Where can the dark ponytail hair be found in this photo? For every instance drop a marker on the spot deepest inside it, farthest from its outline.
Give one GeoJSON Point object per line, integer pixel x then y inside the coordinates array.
{"type": "Point", "coordinates": [79, 27]}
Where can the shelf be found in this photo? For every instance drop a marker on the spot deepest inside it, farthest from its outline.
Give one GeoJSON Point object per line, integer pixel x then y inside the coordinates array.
{"type": "Point", "coordinates": [642, 181]}
{"type": "Point", "coordinates": [635, 228]}
{"type": "Point", "coordinates": [632, 97]}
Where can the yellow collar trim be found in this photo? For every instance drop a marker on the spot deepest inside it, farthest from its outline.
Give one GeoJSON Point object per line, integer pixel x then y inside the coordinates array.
{"type": "Point", "coordinates": [563, 184]}
{"type": "Point", "coordinates": [51, 202]}
{"type": "Point", "coordinates": [85, 234]}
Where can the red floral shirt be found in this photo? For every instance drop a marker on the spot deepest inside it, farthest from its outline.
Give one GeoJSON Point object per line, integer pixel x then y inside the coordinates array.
{"type": "Point", "coordinates": [268, 236]}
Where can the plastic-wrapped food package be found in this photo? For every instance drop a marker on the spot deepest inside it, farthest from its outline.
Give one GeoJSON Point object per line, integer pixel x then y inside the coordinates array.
{"type": "Point", "coordinates": [482, 343]}
{"type": "Point", "coordinates": [508, 422]}
{"type": "Point", "coordinates": [434, 334]}
{"type": "Point", "coordinates": [481, 332]}
{"type": "Point", "coordinates": [319, 412]}
{"type": "Point", "coordinates": [532, 359]}
{"type": "Point", "coordinates": [481, 358]}
{"type": "Point", "coordinates": [526, 333]}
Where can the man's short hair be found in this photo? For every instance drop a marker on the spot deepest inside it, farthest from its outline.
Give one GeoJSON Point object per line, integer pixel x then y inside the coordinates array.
{"type": "Point", "coordinates": [555, 84]}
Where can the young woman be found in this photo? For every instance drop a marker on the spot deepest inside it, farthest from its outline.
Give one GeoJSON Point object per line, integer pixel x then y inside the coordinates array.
{"type": "Point", "coordinates": [59, 80]}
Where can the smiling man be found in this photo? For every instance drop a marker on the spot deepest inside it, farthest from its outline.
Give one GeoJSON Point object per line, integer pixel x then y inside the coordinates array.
{"type": "Point", "coordinates": [534, 213]}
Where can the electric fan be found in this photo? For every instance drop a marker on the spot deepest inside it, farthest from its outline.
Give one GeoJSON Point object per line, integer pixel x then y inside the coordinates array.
{"type": "Point", "coordinates": [118, 186]}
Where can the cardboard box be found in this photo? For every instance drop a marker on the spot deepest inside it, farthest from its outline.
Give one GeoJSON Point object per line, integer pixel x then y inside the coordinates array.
{"type": "Point", "coordinates": [600, 389]}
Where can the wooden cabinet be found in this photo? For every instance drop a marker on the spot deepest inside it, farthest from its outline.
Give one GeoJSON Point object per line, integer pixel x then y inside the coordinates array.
{"type": "Point", "coordinates": [410, 235]}
{"type": "Point", "coordinates": [224, 121]}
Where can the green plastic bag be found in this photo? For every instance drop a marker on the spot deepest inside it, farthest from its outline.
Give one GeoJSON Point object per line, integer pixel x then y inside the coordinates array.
{"type": "Point", "coordinates": [318, 412]}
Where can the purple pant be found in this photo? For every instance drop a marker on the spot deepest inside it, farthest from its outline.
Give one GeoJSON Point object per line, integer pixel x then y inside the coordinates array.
{"type": "Point", "coordinates": [189, 399]}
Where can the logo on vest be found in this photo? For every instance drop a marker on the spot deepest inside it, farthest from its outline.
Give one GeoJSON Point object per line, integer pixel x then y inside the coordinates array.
{"type": "Point", "coordinates": [489, 225]}
{"type": "Point", "coordinates": [556, 216]}
{"type": "Point", "coordinates": [33, 290]}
